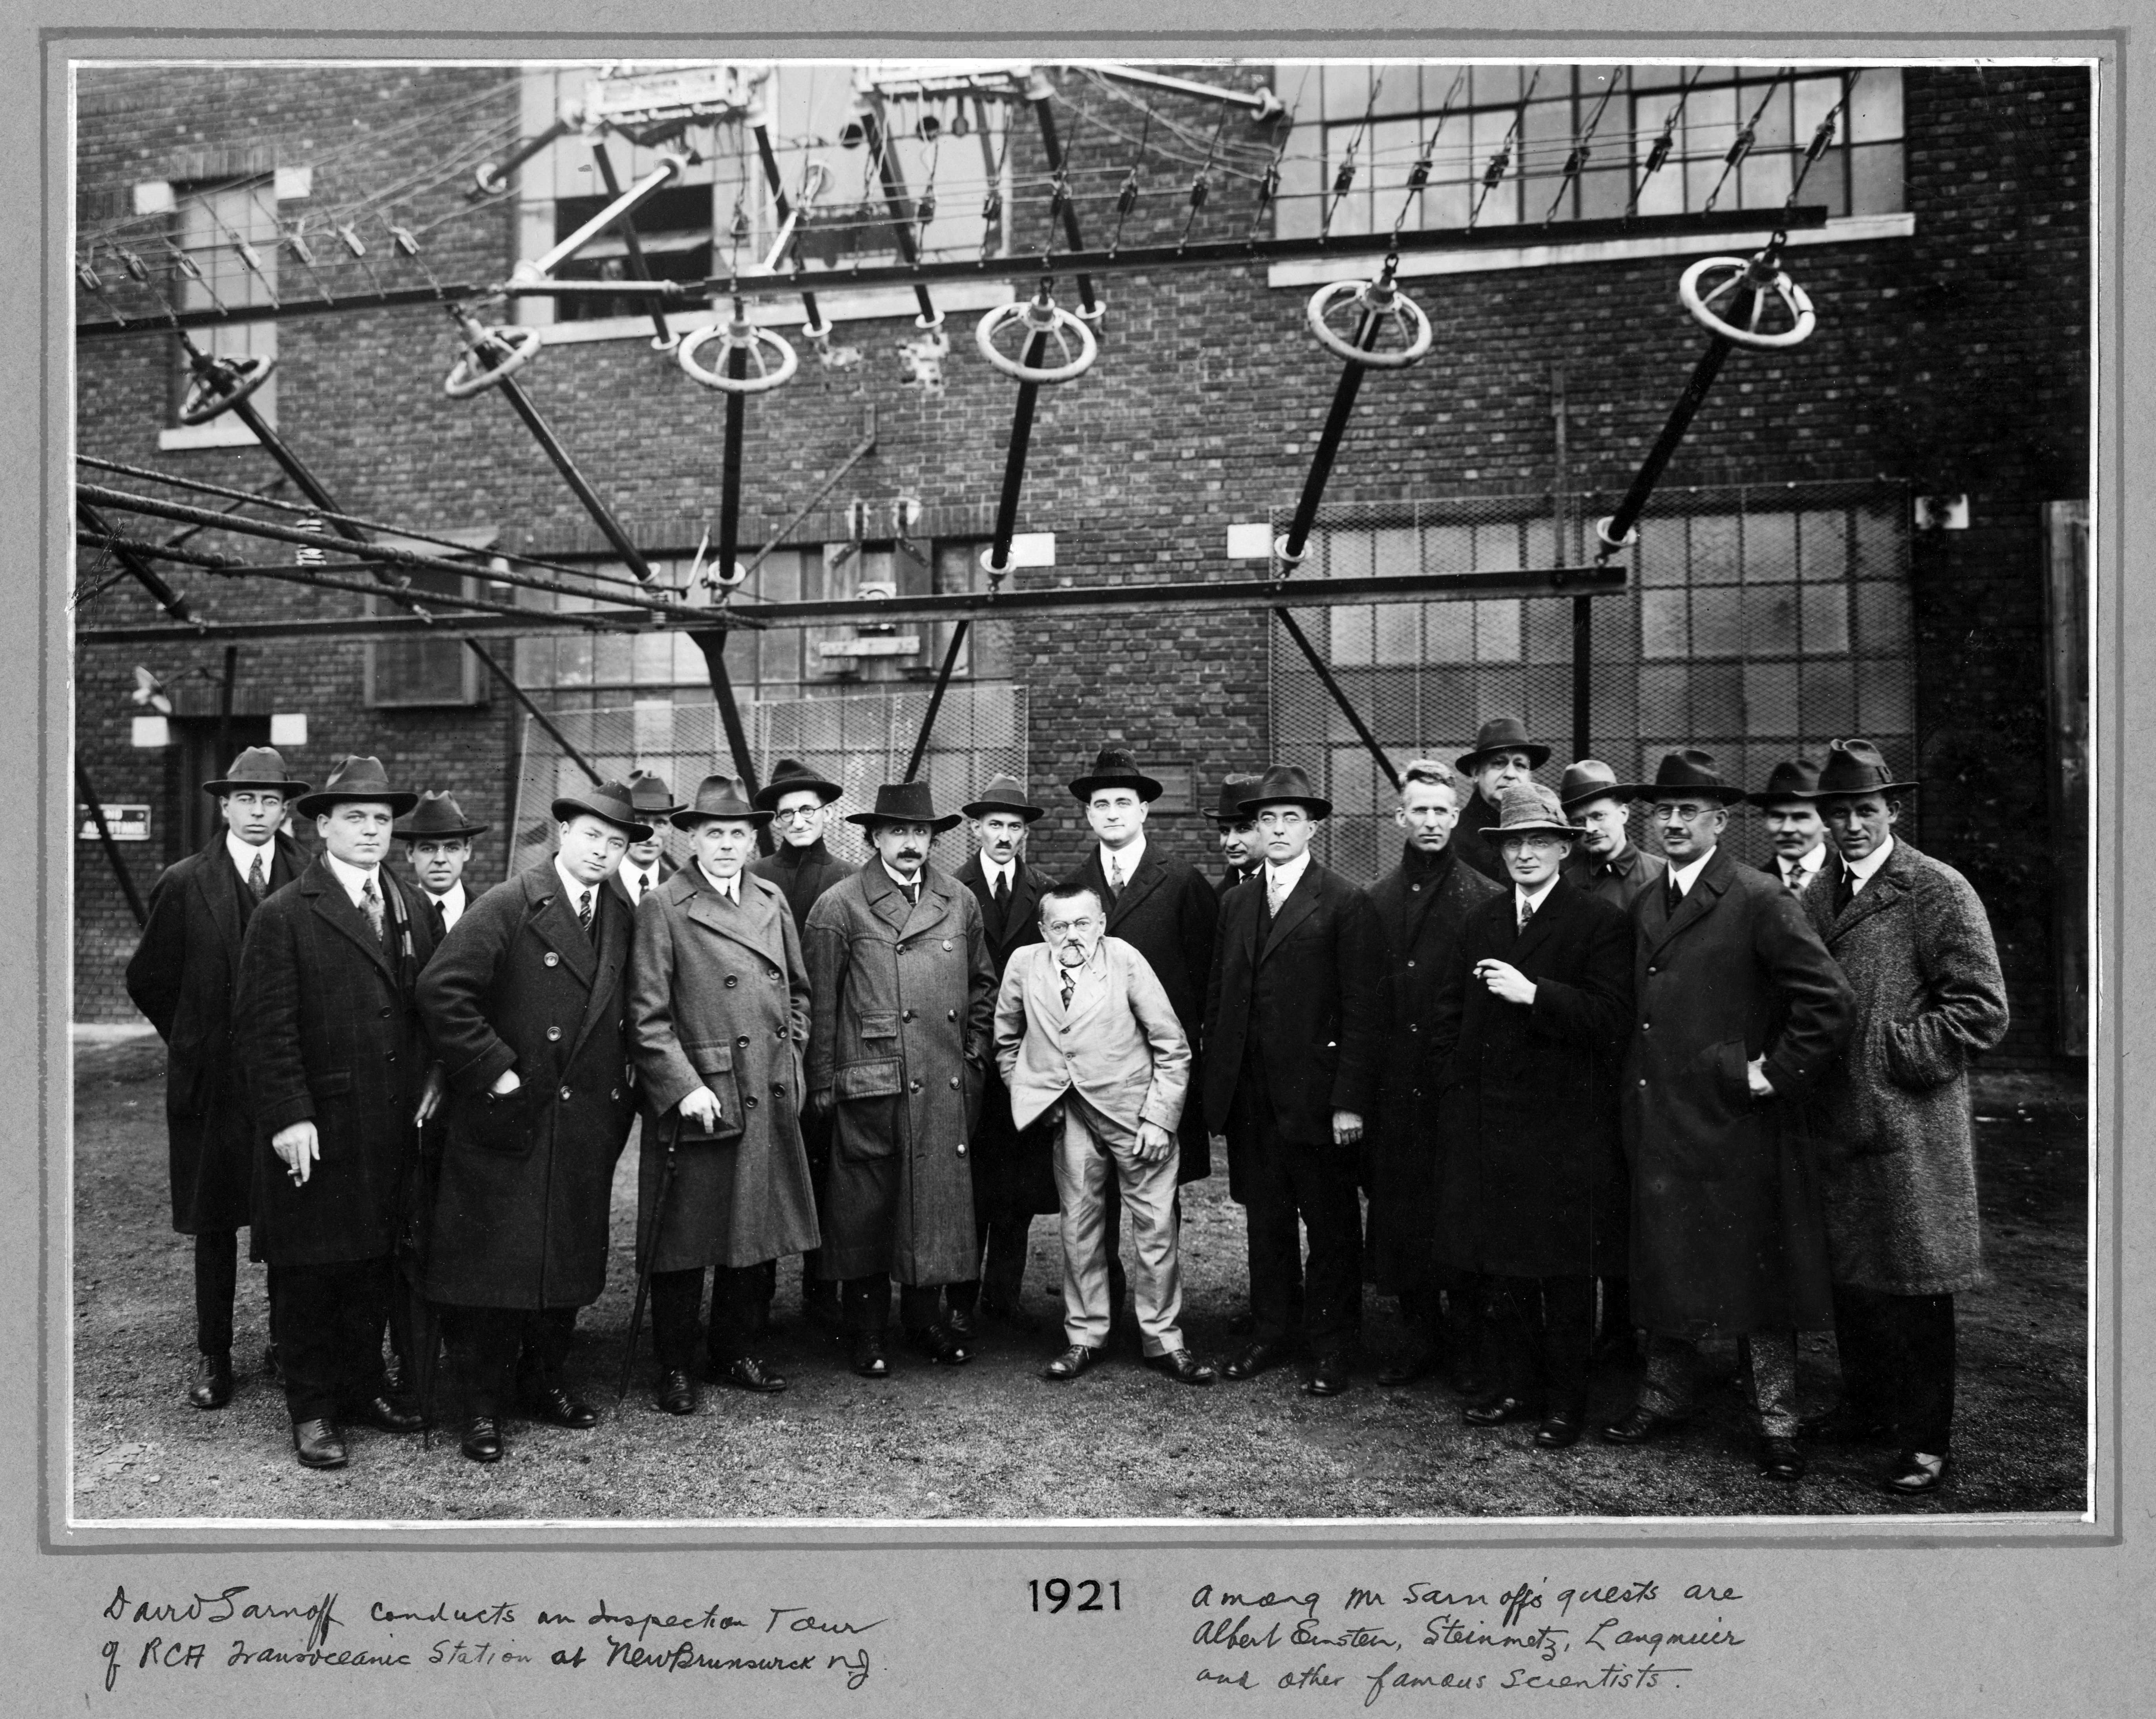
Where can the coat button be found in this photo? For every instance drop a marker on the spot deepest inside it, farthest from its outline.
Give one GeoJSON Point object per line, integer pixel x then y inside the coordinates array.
{"type": "Point", "coordinates": [614, 1093]}
{"type": "Point", "coordinates": [913, 1086]}
{"type": "Point", "coordinates": [954, 1083]}
{"type": "Point", "coordinates": [1415, 1026]}
{"type": "Point", "coordinates": [390, 1056]}
{"type": "Point", "coordinates": [552, 959]}
{"type": "Point", "coordinates": [731, 980]}
{"type": "Point", "coordinates": [1643, 1082]}
{"type": "Point", "coordinates": [946, 942]}
{"type": "Point", "coordinates": [1417, 888]}
{"type": "Point", "coordinates": [554, 1033]}
{"type": "Point", "coordinates": [950, 1014]}
{"type": "Point", "coordinates": [906, 1015]}
{"type": "Point", "coordinates": [565, 1095]}
{"type": "Point", "coordinates": [1410, 960]}
{"type": "Point", "coordinates": [385, 1015]}
{"type": "Point", "coordinates": [1645, 1025]}
{"type": "Point", "coordinates": [742, 1043]}
{"type": "Point", "coordinates": [1650, 973]}
{"type": "Point", "coordinates": [901, 948]}
{"type": "Point", "coordinates": [962, 1148]}
{"type": "Point", "coordinates": [779, 1089]}
{"type": "Point", "coordinates": [780, 1035]}
{"type": "Point", "coordinates": [749, 1103]}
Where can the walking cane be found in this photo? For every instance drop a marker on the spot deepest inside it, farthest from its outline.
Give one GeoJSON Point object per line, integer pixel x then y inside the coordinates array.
{"type": "Point", "coordinates": [648, 1248]}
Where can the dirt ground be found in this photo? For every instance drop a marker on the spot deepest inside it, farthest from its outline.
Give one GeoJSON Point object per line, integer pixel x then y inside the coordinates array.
{"type": "Point", "coordinates": [994, 1441]}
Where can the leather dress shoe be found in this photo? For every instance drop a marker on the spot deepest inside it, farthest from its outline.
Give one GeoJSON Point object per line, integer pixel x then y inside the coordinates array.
{"type": "Point", "coordinates": [1500, 1411]}
{"type": "Point", "coordinates": [1781, 1459]}
{"type": "Point", "coordinates": [1915, 1473]}
{"type": "Point", "coordinates": [1842, 1424]}
{"type": "Point", "coordinates": [677, 1392]}
{"type": "Point", "coordinates": [1561, 1427]}
{"type": "Point", "coordinates": [319, 1444]}
{"type": "Point", "coordinates": [552, 1402]}
{"type": "Point", "coordinates": [380, 1411]}
{"type": "Point", "coordinates": [868, 1355]}
{"type": "Point", "coordinates": [1637, 1427]}
{"type": "Point", "coordinates": [1072, 1362]}
{"type": "Point", "coordinates": [1418, 1362]}
{"type": "Point", "coordinates": [959, 1323]}
{"type": "Point", "coordinates": [482, 1440]}
{"type": "Point", "coordinates": [943, 1346]}
{"type": "Point", "coordinates": [213, 1385]}
{"type": "Point", "coordinates": [1182, 1367]}
{"type": "Point", "coordinates": [1010, 1315]}
{"type": "Point", "coordinates": [752, 1374]}
{"type": "Point", "coordinates": [1328, 1377]}
{"type": "Point", "coordinates": [1254, 1359]}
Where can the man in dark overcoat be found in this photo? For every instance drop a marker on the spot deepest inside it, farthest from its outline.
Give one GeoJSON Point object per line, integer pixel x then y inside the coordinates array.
{"type": "Point", "coordinates": [1420, 904]}
{"type": "Point", "coordinates": [1502, 757]}
{"type": "Point", "coordinates": [646, 865]}
{"type": "Point", "coordinates": [181, 977]}
{"type": "Point", "coordinates": [903, 995]}
{"type": "Point", "coordinates": [1899, 1175]}
{"type": "Point", "coordinates": [437, 846]}
{"type": "Point", "coordinates": [1605, 861]}
{"type": "Point", "coordinates": [524, 1002]}
{"type": "Point", "coordinates": [719, 1008]}
{"type": "Point", "coordinates": [1014, 1175]}
{"type": "Point", "coordinates": [1292, 1008]}
{"type": "Point", "coordinates": [804, 866]}
{"type": "Point", "coordinates": [1739, 1011]}
{"type": "Point", "coordinates": [1531, 1023]}
{"type": "Point", "coordinates": [1240, 859]}
{"type": "Point", "coordinates": [336, 1063]}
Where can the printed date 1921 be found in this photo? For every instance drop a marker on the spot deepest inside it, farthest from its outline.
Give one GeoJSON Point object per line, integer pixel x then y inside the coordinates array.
{"type": "Point", "coordinates": [1057, 1594]}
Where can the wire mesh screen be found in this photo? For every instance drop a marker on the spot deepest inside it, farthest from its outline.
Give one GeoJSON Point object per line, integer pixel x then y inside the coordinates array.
{"type": "Point", "coordinates": [858, 741]}
{"type": "Point", "coordinates": [1759, 623]}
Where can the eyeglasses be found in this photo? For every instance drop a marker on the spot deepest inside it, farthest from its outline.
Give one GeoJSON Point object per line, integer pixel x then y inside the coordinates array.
{"type": "Point", "coordinates": [800, 814]}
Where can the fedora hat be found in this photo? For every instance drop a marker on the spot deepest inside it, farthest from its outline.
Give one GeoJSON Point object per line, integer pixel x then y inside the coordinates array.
{"type": "Point", "coordinates": [356, 778]}
{"type": "Point", "coordinates": [1503, 734]}
{"type": "Point", "coordinates": [609, 800]}
{"type": "Point", "coordinates": [1854, 767]}
{"type": "Point", "coordinates": [903, 803]}
{"type": "Point", "coordinates": [1792, 779]}
{"type": "Point", "coordinates": [259, 766]}
{"type": "Point", "coordinates": [1590, 779]}
{"type": "Point", "coordinates": [1232, 789]}
{"type": "Point", "coordinates": [1530, 809]}
{"type": "Point", "coordinates": [790, 776]}
{"type": "Point", "coordinates": [649, 793]}
{"type": "Point", "coordinates": [1283, 785]}
{"type": "Point", "coordinates": [1004, 793]}
{"type": "Point", "coordinates": [719, 797]}
{"type": "Point", "coordinates": [1688, 771]}
{"type": "Point", "coordinates": [1115, 767]}
{"type": "Point", "coordinates": [437, 817]}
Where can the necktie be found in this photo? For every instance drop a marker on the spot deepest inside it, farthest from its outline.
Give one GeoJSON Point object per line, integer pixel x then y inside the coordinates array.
{"type": "Point", "coordinates": [1069, 984]}
{"type": "Point", "coordinates": [1672, 896]}
{"type": "Point", "coordinates": [1274, 893]}
{"type": "Point", "coordinates": [440, 917]}
{"type": "Point", "coordinates": [643, 884]}
{"type": "Point", "coordinates": [1003, 890]}
{"type": "Point", "coordinates": [1843, 893]}
{"type": "Point", "coordinates": [584, 911]}
{"type": "Point", "coordinates": [370, 899]}
{"type": "Point", "coordinates": [256, 879]}
{"type": "Point", "coordinates": [1794, 878]}
{"type": "Point", "coordinates": [1115, 877]}
{"type": "Point", "coordinates": [1527, 912]}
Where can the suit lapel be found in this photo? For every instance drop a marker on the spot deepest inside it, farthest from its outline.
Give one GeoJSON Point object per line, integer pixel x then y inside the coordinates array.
{"type": "Point", "coordinates": [1302, 902]}
{"type": "Point", "coordinates": [220, 886]}
{"type": "Point", "coordinates": [1888, 884]}
{"type": "Point", "coordinates": [334, 905]}
{"type": "Point", "coordinates": [611, 919]}
{"type": "Point", "coordinates": [885, 899]}
{"type": "Point", "coordinates": [1555, 906]}
{"type": "Point", "coordinates": [555, 923]}
{"type": "Point", "coordinates": [1136, 886]}
{"type": "Point", "coordinates": [1699, 900]}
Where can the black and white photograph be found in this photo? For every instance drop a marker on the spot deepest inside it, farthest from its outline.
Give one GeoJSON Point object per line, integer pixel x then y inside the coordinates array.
{"type": "Point", "coordinates": [1081, 790]}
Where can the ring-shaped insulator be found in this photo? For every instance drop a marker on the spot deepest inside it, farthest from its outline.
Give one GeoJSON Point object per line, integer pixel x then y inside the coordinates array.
{"type": "Point", "coordinates": [740, 336]}
{"type": "Point", "coordinates": [1611, 545]}
{"type": "Point", "coordinates": [1037, 317]}
{"type": "Point", "coordinates": [222, 384]}
{"type": "Point", "coordinates": [467, 378]}
{"type": "Point", "coordinates": [1388, 303]}
{"type": "Point", "coordinates": [1699, 297]}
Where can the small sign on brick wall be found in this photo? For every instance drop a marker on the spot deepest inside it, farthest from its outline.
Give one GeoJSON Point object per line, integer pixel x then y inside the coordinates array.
{"type": "Point", "coordinates": [128, 823]}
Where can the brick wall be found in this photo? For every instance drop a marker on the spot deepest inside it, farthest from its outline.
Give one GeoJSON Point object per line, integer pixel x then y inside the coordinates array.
{"type": "Point", "coordinates": [1956, 359]}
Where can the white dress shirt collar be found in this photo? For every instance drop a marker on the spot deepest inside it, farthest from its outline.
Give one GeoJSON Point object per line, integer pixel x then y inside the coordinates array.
{"type": "Point", "coordinates": [1684, 877]}
{"type": "Point", "coordinates": [990, 871]}
{"type": "Point", "coordinates": [1531, 901]}
{"type": "Point", "coordinates": [354, 878]}
{"type": "Point", "coordinates": [1860, 871]}
{"type": "Point", "coordinates": [577, 888]}
{"type": "Point", "coordinates": [638, 880]}
{"type": "Point", "coordinates": [244, 856]}
{"type": "Point", "coordinates": [452, 905]}
{"type": "Point", "coordinates": [907, 884]}
{"type": "Point", "coordinates": [730, 887]}
{"type": "Point", "coordinates": [1127, 859]}
{"type": "Point", "coordinates": [1281, 880]}
{"type": "Point", "coordinates": [1807, 866]}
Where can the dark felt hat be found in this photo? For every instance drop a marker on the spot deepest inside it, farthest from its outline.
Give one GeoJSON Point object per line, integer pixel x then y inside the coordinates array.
{"type": "Point", "coordinates": [259, 766]}
{"type": "Point", "coordinates": [1530, 809]}
{"type": "Point", "coordinates": [1792, 779]}
{"type": "Point", "coordinates": [650, 794]}
{"type": "Point", "coordinates": [1004, 793]}
{"type": "Point", "coordinates": [1587, 779]}
{"type": "Point", "coordinates": [720, 796]}
{"type": "Point", "coordinates": [1116, 767]}
{"type": "Point", "coordinates": [904, 803]}
{"type": "Point", "coordinates": [1284, 785]}
{"type": "Point", "coordinates": [609, 800]}
{"type": "Point", "coordinates": [790, 776]}
{"type": "Point", "coordinates": [356, 778]}
{"type": "Point", "coordinates": [1232, 790]}
{"type": "Point", "coordinates": [1688, 771]}
{"type": "Point", "coordinates": [437, 817]}
{"type": "Point", "coordinates": [1855, 766]}
{"type": "Point", "coordinates": [1503, 734]}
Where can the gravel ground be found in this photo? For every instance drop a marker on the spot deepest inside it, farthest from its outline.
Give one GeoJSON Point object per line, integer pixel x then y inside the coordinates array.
{"type": "Point", "coordinates": [993, 1440]}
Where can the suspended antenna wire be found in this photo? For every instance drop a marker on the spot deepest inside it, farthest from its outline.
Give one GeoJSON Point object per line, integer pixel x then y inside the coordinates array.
{"type": "Point", "coordinates": [1058, 188]}
{"type": "Point", "coordinates": [1126, 199]}
{"type": "Point", "coordinates": [1660, 153]}
{"type": "Point", "coordinates": [992, 205]}
{"type": "Point", "coordinates": [1201, 186]}
{"type": "Point", "coordinates": [1494, 175]}
{"type": "Point", "coordinates": [1425, 155]}
{"type": "Point", "coordinates": [1746, 135]}
{"type": "Point", "coordinates": [1344, 179]}
{"type": "Point", "coordinates": [1582, 146]}
{"type": "Point", "coordinates": [1269, 180]}
{"type": "Point", "coordinates": [1817, 147]}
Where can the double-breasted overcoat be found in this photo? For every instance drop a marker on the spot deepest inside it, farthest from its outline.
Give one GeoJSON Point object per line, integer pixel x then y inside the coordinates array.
{"type": "Point", "coordinates": [1533, 1177]}
{"type": "Point", "coordinates": [1899, 1165]}
{"type": "Point", "coordinates": [181, 977]}
{"type": "Point", "coordinates": [902, 1012]}
{"type": "Point", "coordinates": [520, 1208]}
{"type": "Point", "coordinates": [719, 998]}
{"type": "Point", "coordinates": [328, 1030]}
{"type": "Point", "coordinates": [1725, 1227]}
{"type": "Point", "coordinates": [1421, 904]}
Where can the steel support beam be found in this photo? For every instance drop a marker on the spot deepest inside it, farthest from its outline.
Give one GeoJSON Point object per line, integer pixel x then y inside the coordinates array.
{"type": "Point", "coordinates": [936, 701]}
{"type": "Point", "coordinates": [1339, 694]}
{"type": "Point", "coordinates": [509, 685]}
{"type": "Point", "coordinates": [712, 642]}
{"type": "Point", "coordinates": [136, 562]}
{"type": "Point", "coordinates": [111, 847]}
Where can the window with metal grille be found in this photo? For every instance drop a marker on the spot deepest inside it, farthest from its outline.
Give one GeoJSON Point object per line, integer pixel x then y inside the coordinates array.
{"type": "Point", "coordinates": [211, 224]}
{"type": "Point", "coordinates": [424, 671]}
{"type": "Point", "coordinates": [1521, 144]}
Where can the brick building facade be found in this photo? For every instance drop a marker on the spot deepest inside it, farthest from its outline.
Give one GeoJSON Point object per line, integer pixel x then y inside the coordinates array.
{"type": "Point", "coordinates": [1950, 358]}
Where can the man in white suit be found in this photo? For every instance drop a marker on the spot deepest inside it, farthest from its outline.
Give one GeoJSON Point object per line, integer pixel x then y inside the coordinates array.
{"type": "Point", "coordinates": [1083, 1024]}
